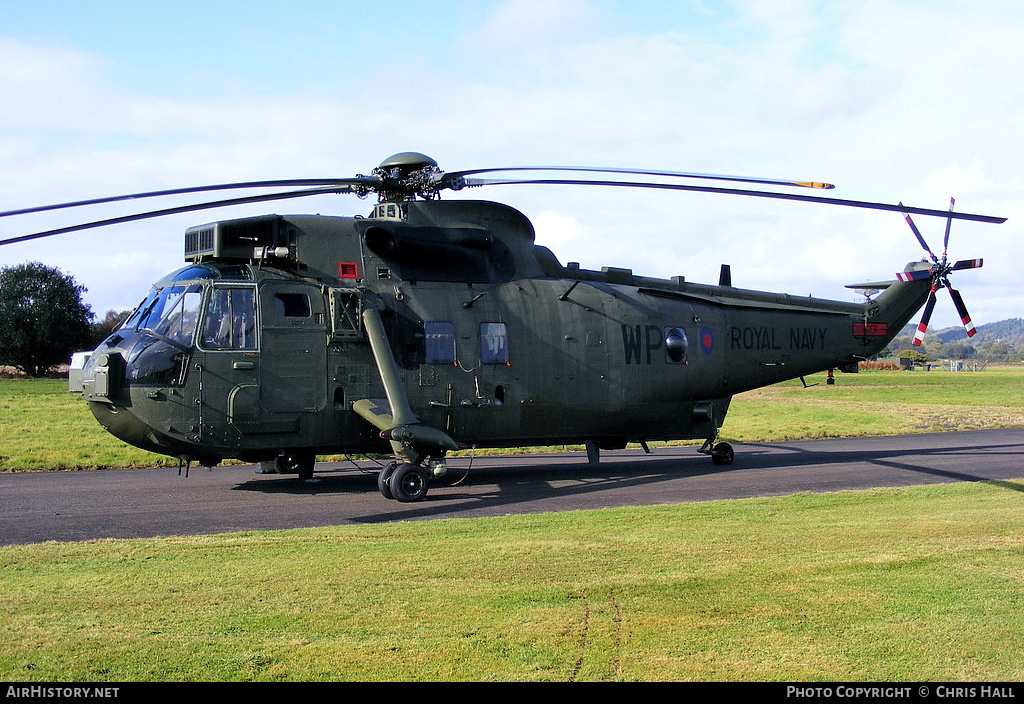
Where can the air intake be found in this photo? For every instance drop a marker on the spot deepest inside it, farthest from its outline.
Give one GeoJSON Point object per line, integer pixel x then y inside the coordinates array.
{"type": "Point", "coordinates": [234, 239]}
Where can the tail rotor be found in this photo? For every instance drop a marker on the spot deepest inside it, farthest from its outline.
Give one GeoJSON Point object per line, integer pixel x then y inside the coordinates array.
{"type": "Point", "coordinates": [939, 275]}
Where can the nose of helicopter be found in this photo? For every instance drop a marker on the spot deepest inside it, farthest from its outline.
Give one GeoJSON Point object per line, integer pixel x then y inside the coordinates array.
{"type": "Point", "coordinates": [125, 425]}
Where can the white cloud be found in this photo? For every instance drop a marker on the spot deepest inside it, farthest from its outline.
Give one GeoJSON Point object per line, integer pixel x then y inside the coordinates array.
{"type": "Point", "coordinates": [533, 30]}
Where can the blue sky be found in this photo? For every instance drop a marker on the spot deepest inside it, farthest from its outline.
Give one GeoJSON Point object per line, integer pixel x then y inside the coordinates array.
{"type": "Point", "coordinates": [899, 100]}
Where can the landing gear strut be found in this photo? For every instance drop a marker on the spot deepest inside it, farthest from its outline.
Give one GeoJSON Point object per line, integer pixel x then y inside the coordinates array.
{"type": "Point", "coordinates": [413, 441]}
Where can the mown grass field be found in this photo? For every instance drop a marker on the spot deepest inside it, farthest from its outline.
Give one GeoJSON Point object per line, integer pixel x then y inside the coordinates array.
{"type": "Point", "coordinates": [906, 585]}
{"type": "Point", "coordinates": [913, 584]}
{"type": "Point", "coordinates": [880, 403]}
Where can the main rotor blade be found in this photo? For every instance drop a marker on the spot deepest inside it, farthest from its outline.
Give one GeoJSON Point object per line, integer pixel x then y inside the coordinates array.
{"type": "Point", "coordinates": [289, 183]}
{"type": "Point", "coordinates": [648, 172]}
{"type": "Point", "coordinates": [961, 310]}
{"type": "Point", "coordinates": [925, 317]}
{"type": "Point", "coordinates": [180, 209]}
{"type": "Point", "coordinates": [474, 182]}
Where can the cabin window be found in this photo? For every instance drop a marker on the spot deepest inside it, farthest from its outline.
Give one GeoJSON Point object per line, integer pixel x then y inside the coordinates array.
{"type": "Point", "coordinates": [675, 346]}
{"type": "Point", "coordinates": [292, 305]}
{"type": "Point", "coordinates": [494, 343]}
{"type": "Point", "coordinates": [440, 338]}
{"type": "Point", "coordinates": [230, 322]}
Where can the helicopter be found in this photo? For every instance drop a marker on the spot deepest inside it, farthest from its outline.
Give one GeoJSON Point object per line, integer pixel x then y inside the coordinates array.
{"type": "Point", "coordinates": [434, 325]}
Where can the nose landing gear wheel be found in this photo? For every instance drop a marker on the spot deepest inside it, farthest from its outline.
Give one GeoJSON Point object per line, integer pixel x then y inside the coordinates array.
{"type": "Point", "coordinates": [408, 482]}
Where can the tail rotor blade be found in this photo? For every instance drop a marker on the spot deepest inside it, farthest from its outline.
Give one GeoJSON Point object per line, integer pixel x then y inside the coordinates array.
{"type": "Point", "coordinates": [915, 275]}
{"type": "Point", "coordinates": [923, 325]}
{"type": "Point", "coordinates": [967, 264]}
{"type": "Point", "coordinates": [949, 223]}
{"type": "Point", "coordinates": [918, 235]}
{"type": "Point", "coordinates": [961, 310]}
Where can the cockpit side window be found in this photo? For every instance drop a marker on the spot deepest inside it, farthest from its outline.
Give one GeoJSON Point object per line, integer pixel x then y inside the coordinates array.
{"type": "Point", "coordinates": [230, 319]}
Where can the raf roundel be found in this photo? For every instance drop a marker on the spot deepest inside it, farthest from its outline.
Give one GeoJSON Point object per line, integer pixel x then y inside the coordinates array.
{"type": "Point", "coordinates": [707, 340]}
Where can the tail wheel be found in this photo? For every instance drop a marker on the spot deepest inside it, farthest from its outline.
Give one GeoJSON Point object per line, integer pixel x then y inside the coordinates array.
{"type": "Point", "coordinates": [409, 482]}
{"type": "Point", "coordinates": [722, 454]}
{"type": "Point", "coordinates": [299, 462]}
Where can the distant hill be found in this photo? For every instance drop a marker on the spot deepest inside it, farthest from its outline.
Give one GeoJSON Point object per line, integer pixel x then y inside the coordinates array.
{"type": "Point", "coordinates": [1001, 341]}
{"type": "Point", "coordinates": [1011, 331]}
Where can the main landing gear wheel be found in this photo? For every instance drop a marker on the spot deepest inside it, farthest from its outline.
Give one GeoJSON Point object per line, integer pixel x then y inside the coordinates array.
{"type": "Point", "coordinates": [409, 482]}
{"type": "Point", "coordinates": [382, 480]}
{"type": "Point", "coordinates": [722, 454]}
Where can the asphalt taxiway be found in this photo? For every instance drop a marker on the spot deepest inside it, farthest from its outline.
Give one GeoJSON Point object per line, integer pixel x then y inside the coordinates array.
{"type": "Point", "coordinates": [130, 503]}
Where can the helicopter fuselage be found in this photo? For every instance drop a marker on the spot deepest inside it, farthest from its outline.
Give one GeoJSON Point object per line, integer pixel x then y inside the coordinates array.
{"type": "Point", "coordinates": [278, 337]}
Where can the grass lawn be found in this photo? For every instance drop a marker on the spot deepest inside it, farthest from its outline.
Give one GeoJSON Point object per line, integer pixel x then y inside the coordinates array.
{"type": "Point", "coordinates": [914, 584]}
{"type": "Point", "coordinates": [888, 585]}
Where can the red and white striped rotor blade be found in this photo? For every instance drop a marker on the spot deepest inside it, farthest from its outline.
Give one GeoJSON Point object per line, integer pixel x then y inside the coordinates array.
{"type": "Point", "coordinates": [967, 264]}
{"type": "Point", "coordinates": [961, 310]}
{"type": "Point", "coordinates": [923, 325]}
{"type": "Point", "coordinates": [918, 235]}
{"type": "Point", "coordinates": [915, 275]}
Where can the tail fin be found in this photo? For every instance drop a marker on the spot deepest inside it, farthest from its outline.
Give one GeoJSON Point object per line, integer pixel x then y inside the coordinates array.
{"type": "Point", "coordinates": [897, 305]}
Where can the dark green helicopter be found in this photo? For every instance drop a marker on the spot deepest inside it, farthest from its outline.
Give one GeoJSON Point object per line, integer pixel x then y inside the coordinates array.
{"type": "Point", "coordinates": [434, 325]}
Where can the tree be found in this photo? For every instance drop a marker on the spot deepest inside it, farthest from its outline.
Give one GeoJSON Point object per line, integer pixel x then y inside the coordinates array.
{"type": "Point", "coordinates": [42, 318]}
{"type": "Point", "coordinates": [913, 356]}
{"type": "Point", "coordinates": [961, 350]}
{"type": "Point", "coordinates": [102, 329]}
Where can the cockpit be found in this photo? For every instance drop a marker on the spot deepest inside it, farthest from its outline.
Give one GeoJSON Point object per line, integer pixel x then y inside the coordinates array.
{"type": "Point", "coordinates": [216, 300]}
{"type": "Point", "coordinates": [172, 309]}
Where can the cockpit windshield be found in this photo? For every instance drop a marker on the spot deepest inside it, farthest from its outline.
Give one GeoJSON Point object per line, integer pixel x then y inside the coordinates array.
{"type": "Point", "coordinates": [171, 312]}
